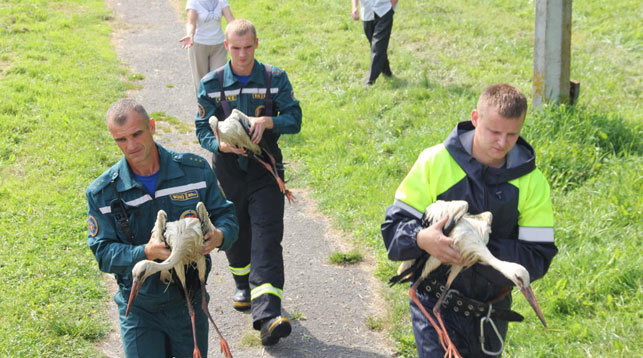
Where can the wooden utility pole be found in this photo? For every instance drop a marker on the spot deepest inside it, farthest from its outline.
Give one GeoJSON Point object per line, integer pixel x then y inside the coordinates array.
{"type": "Point", "coordinates": [552, 47]}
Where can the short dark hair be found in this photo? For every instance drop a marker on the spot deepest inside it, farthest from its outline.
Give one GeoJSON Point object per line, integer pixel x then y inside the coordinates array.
{"type": "Point", "coordinates": [505, 98]}
{"type": "Point", "coordinates": [120, 109]}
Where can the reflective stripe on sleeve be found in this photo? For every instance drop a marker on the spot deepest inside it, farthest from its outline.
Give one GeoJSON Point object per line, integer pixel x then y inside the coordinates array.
{"type": "Point", "coordinates": [536, 234]}
{"type": "Point", "coordinates": [240, 271]}
{"type": "Point", "coordinates": [408, 208]}
{"type": "Point", "coordinates": [265, 289]}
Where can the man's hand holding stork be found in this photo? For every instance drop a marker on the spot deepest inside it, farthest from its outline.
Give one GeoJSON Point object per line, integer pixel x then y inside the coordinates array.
{"type": "Point", "coordinates": [433, 241]}
{"type": "Point", "coordinates": [212, 240]}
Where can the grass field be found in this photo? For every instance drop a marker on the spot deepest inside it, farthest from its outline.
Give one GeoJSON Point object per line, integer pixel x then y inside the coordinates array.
{"type": "Point", "coordinates": [58, 74]}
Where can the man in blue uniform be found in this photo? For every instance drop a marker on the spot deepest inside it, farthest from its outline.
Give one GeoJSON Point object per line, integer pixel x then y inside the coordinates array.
{"type": "Point", "coordinates": [485, 162]}
{"type": "Point", "coordinates": [122, 207]}
{"type": "Point", "coordinates": [263, 93]}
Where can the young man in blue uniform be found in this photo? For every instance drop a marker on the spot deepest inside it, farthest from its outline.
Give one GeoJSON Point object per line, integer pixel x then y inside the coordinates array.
{"type": "Point", "coordinates": [485, 162]}
{"type": "Point", "coordinates": [122, 207]}
{"type": "Point", "coordinates": [265, 94]}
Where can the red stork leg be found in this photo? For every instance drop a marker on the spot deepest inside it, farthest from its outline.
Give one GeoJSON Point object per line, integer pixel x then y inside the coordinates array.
{"type": "Point", "coordinates": [225, 349]}
{"type": "Point", "coordinates": [196, 353]}
{"type": "Point", "coordinates": [443, 337]}
{"type": "Point", "coordinates": [451, 350]}
{"type": "Point", "coordinates": [282, 186]}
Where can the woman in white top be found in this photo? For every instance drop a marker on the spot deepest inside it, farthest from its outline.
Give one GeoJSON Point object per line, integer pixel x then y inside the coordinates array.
{"type": "Point", "coordinates": [204, 39]}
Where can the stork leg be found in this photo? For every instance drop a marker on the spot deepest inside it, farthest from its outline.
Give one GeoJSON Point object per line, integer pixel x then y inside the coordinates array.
{"type": "Point", "coordinates": [451, 350]}
{"type": "Point", "coordinates": [196, 353]}
{"type": "Point", "coordinates": [414, 298]}
{"type": "Point", "coordinates": [273, 170]}
{"type": "Point", "coordinates": [225, 348]}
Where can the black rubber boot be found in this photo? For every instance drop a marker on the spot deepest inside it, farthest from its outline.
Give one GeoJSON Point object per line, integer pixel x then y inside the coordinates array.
{"type": "Point", "coordinates": [272, 329]}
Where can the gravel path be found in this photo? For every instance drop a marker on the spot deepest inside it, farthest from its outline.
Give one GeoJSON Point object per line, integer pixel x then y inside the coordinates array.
{"type": "Point", "coordinates": [331, 303]}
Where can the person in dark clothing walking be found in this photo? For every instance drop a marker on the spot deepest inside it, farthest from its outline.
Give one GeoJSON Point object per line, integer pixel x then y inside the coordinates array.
{"type": "Point", "coordinates": [377, 17]}
{"type": "Point", "coordinates": [265, 95]}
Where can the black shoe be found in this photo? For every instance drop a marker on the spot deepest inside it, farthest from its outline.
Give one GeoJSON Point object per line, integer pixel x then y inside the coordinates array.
{"type": "Point", "coordinates": [272, 329]}
{"type": "Point", "coordinates": [241, 299]}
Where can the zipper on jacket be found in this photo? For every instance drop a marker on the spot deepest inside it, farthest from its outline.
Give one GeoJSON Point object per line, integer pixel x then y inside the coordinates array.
{"type": "Point", "coordinates": [485, 201]}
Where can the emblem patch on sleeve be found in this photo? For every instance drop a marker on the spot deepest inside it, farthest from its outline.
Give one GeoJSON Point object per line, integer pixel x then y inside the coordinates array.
{"type": "Point", "coordinates": [92, 226]}
{"type": "Point", "coordinates": [201, 110]}
{"type": "Point", "coordinates": [189, 214]}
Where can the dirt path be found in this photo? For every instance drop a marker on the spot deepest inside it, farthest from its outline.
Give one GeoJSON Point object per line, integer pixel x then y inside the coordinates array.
{"type": "Point", "coordinates": [330, 303]}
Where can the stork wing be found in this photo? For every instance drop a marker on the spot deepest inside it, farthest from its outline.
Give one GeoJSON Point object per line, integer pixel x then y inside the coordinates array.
{"type": "Point", "coordinates": [204, 217]}
{"type": "Point", "coordinates": [435, 212]}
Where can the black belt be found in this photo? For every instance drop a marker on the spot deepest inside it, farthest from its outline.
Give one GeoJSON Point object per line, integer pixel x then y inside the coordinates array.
{"type": "Point", "coordinates": [466, 306]}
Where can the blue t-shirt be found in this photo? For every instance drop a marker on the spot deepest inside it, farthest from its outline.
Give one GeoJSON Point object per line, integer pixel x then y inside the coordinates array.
{"type": "Point", "coordinates": [149, 182]}
{"type": "Point", "coordinates": [242, 79]}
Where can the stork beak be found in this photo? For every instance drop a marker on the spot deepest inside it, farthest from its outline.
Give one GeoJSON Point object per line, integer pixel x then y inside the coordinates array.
{"type": "Point", "coordinates": [529, 295]}
{"type": "Point", "coordinates": [136, 286]}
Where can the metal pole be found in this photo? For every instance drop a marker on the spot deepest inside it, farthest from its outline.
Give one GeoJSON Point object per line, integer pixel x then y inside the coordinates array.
{"type": "Point", "coordinates": [552, 47]}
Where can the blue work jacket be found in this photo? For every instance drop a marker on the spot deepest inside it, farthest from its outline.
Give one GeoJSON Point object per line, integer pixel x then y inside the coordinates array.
{"type": "Point", "coordinates": [184, 179]}
{"type": "Point", "coordinates": [249, 99]}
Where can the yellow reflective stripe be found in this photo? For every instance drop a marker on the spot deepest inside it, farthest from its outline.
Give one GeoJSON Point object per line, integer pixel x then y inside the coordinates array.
{"type": "Point", "coordinates": [240, 271]}
{"type": "Point", "coordinates": [534, 202]}
{"type": "Point", "coordinates": [264, 289]}
{"type": "Point", "coordinates": [433, 173]}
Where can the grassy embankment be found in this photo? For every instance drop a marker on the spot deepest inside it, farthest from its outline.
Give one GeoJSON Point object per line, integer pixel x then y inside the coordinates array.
{"type": "Point", "coordinates": [358, 143]}
{"type": "Point", "coordinates": [58, 74]}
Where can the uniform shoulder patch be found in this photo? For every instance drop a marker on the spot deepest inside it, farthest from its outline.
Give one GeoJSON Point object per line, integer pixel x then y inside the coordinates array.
{"type": "Point", "coordinates": [190, 159]}
{"type": "Point", "coordinates": [277, 70]}
{"type": "Point", "coordinates": [92, 226]}
{"type": "Point", "coordinates": [208, 76]}
{"type": "Point", "coordinates": [101, 182]}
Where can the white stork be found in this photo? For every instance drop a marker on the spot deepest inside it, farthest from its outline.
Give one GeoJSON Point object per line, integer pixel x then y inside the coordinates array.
{"type": "Point", "coordinates": [471, 235]}
{"type": "Point", "coordinates": [185, 239]}
{"type": "Point", "coordinates": [235, 131]}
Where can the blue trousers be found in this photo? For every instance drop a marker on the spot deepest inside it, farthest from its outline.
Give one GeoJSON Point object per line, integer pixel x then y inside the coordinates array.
{"type": "Point", "coordinates": [164, 331]}
{"type": "Point", "coordinates": [463, 331]}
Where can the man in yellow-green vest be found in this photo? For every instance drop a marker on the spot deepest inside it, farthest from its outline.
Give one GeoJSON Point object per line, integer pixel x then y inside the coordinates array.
{"type": "Point", "coordinates": [486, 163]}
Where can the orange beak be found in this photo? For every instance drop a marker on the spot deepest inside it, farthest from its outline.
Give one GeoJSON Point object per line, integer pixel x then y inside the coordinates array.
{"type": "Point", "coordinates": [529, 295]}
{"type": "Point", "coordinates": [136, 286]}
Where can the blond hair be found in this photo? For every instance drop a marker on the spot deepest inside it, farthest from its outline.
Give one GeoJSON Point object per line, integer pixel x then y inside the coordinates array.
{"type": "Point", "coordinates": [508, 101]}
{"type": "Point", "coordinates": [240, 27]}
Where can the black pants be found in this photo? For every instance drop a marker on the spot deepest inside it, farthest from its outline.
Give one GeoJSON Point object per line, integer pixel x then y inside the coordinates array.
{"type": "Point", "coordinates": [463, 331]}
{"type": "Point", "coordinates": [259, 206]}
{"type": "Point", "coordinates": [378, 33]}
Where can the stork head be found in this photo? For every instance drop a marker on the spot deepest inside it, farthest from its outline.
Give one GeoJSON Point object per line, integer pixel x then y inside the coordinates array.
{"type": "Point", "coordinates": [520, 278]}
{"type": "Point", "coordinates": [140, 273]}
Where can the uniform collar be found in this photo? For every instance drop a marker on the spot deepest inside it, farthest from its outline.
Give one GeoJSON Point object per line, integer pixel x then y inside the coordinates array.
{"type": "Point", "coordinates": [169, 169]}
{"type": "Point", "coordinates": [256, 75]}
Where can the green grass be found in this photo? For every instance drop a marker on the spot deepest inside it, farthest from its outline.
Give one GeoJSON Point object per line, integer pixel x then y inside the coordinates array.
{"type": "Point", "coordinates": [357, 143]}
{"type": "Point", "coordinates": [345, 258]}
{"type": "Point", "coordinates": [298, 316]}
{"type": "Point", "coordinates": [59, 73]}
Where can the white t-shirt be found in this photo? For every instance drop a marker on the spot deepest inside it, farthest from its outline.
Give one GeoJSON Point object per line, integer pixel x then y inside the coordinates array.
{"type": "Point", "coordinates": [369, 8]}
{"type": "Point", "coordinates": [208, 23]}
